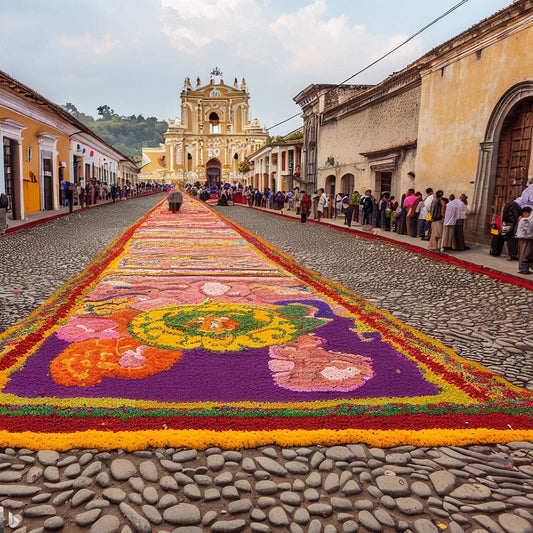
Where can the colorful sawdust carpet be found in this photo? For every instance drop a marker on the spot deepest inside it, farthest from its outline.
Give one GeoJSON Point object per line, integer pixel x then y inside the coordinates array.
{"type": "Point", "coordinates": [189, 331]}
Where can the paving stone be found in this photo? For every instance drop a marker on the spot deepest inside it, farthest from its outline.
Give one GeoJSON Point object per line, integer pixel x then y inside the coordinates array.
{"type": "Point", "coordinates": [420, 489]}
{"type": "Point", "coordinates": [88, 517]}
{"type": "Point", "coordinates": [230, 492]}
{"type": "Point", "coordinates": [311, 495]}
{"type": "Point", "coordinates": [278, 517]}
{"type": "Point", "coordinates": [488, 523]}
{"type": "Point", "coordinates": [258, 527]}
{"type": "Point", "coordinates": [103, 480]}
{"type": "Point", "coordinates": [514, 524]}
{"type": "Point", "coordinates": [209, 518]}
{"type": "Point", "coordinates": [266, 487]}
{"type": "Point", "coordinates": [395, 486]}
{"type": "Point", "coordinates": [444, 482]}
{"type": "Point", "coordinates": [350, 526]}
{"type": "Point", "coordinates": [302, 516]}
{"type": "Point", "coordinates": [339, 453]}
{"type": "Point", "coordinates": [72, 470]}
{"type": "Point", "coordinates": [368, 520]}
{"type": "Point", "coordinates": [184, 456]}
{"type": "Point", "coordinates": [211, 495]}
{"type": "Point", "coordinates": [320, 509]}
{"type": "Point", "coordinates": [148, 471]}
{"type": "Point", "coordinates": [258, 515]}
{"type": "Point", "coordinates": [224, 479]}
{"type": "Point", "coordinates": [39, 511]}
{"type": "Point", "coordinates": [248, 464]}
{"type": "Point", "coordinates": [216, 462]}
{"type": "Point", "coordinates": [171, 466]}
{"type": "Point", "coordinates": [98, 504]}
{"type": "Point", "coordinates": [332, 483]}
{"type": "Point", "coordinates": [351, 487]}
{"type": "Point", "coordinates": [409, 506]}
{"type": "Point", "coordinates": [341, 504]}
{"type": "Point", "coordinates": [183, 514]}
{"type": "Point", "coordinates": [122, 469]}
{"type": "Point", "coordinates": [81, 496]}
{"type": "Point", "coordinates": [315, 526]}
{"type": "Point", "coordinates": [228, 526]}
{"type": "Point", "coordinates": [471, 491]}
{"type": "Point", "coordinates": [243, 485]}
{"type": "Point", "coordinates": [106, 524]}
{"type": "Point", "coordinates": [138, 522]}
{"type": "Point", "coordinates": [266, 501]}
{"type": "Point", "coordinates": [297, 468]}
{"type": "Point", "coordinates": [153, 515]}
{"type": "Point", "coordinates": [240, 506]}
{"type": "Point", "coordinates": [383, 517]}
{"type": "Point", "coordinates": [422, 525]}
{"type": "Point", "coordinates": [48, 457]}
{"type": "Point", "coordinates": [271, 466]}
{"type": "Point", "coordinates": [114, 495]}
{"type": "Point", "coordinates": [92, 469]}
{"type": "Point", "coordinates": [54, 522]}
{"type": "Point", "coordinates": [60, 499]}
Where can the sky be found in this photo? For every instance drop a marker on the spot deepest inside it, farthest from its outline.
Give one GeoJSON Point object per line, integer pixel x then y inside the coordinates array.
{"type": "Point", "coordinates": [134, 55]}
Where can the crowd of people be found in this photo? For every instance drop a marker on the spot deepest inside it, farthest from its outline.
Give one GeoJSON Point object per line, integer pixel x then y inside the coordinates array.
{"type": "Point", "coordinates": [96, 191]}
{"type": "Point", "coordinates": [430, 216]}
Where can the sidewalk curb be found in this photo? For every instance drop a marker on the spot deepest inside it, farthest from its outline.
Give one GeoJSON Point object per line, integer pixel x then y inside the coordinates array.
{"type": "Point", "coordinates": [473, 267]}
{"type": "Point", "coordinates": [61, 215]}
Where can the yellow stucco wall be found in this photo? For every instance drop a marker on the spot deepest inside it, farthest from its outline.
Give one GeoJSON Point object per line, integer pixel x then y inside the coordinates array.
{"type": "Point", "coordinates": [456, 106]}
{"type": "Point", "coordinates": [153, 155]}
{"type": "Point", "coordinates": [31, 185]}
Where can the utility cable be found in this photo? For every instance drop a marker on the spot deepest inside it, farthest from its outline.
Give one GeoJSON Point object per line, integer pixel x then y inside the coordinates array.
{"type": "Point", "coordinates": [403, 43]}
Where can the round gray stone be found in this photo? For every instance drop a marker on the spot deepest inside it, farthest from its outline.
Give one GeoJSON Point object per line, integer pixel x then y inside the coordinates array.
{"type": "Point", "coordinates": [148, 471]}
{"type": "Point", "coordinates": [216, 462]}
{"type": "Point", "coordinates": [314, 480]}
{"type": "Point", "coordinates": [122, 469]}
{"type": "Point", "coordinates": [48, 457]}
{"type": "Point", "coordinates": [153, 515]}
{"type": "Point", "coordinates": [290, 498]}
{"type": "Point", "coordinates": [422, 525]}
{"type": "Point", "coordinates": [240, 506]}
{"type": "Point", "coordinates": [339, 453]}
{"type": "Point", "coordinates": [185, 456]}
{"type": "Point", "coordinates": [409, 506]}
{"type": "Point", "coordinates": [320, 509]}
{"type": "Point", "coordinates": [443, 482]}
{"type": "Point", "coordinates": [266, 487]}
{"type": "Point", "coordinates": [302, 516]}
{"type": "Point", "coordinates": [192, 492]}
{"type": "Point", "coordinates": [278, 517]}
{"type": "Point", "coordinates": [297, 468]}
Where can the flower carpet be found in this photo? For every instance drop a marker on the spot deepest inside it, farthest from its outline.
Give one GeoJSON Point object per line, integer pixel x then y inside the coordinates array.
{"type": "Point", "coordinates": [190, 331]}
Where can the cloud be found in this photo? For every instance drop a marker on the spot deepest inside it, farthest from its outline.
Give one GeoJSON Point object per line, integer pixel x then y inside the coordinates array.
{"type": "Point", "coordinates": [191, 25]}
{"type": "Point", "coordinates": [303, 42]}
{"type": "Point", "coordinates": [99, 45]}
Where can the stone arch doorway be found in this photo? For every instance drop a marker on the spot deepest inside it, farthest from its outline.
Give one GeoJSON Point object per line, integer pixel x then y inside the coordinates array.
{"type": "Point", "coordinates": [504, 157]}
{"type": "Point", "coordinates": [213, 172]}
{"type": "Point", "coordinates": [329, 188]}
{"type": "Point", "coordinates": [514, 155]}
{"type": "Point", "coordinates": [347, 184]}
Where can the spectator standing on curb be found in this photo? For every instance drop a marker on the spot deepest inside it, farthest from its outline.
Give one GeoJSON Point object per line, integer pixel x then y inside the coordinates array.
{"type": "Point", "coordinates": [524, 234]}
{"type": "Point", "coordinates": [4, 204]}
{"type": "Point", "coordinates": [305, 206]}
{"type": "Point", "coordinates": [322, 204]}
{"type": "Point", "coordinates": [438, 210]}
{"type": "Point", "coordinates": [367, 205]}
{"type": "Point", "coordinates": [70, 197]}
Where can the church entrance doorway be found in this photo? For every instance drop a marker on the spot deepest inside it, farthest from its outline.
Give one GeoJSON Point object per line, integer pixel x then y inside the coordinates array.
{"type": "Point", "coordinates": [514, 155]}
{"type": "Point", "coordinates": [213, 172]}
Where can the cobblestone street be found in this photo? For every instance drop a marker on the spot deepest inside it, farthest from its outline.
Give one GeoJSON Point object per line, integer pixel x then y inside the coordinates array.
{"type": "Point", "coordinates": [349, 488]}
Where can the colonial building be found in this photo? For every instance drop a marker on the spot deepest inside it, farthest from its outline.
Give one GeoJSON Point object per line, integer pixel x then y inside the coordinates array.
{"type": "Point", "coordinates": [277, 165]}
{"type": "Point", "coordinates": [213, 135]}
{"type": "Point", "coordinates": [460, 119]}
{"type": "Point", "coordinates": [42, 144]}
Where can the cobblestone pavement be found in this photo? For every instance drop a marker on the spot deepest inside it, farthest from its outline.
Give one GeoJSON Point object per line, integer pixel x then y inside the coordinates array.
{"type": "Point", "coordinates": [348, 488]}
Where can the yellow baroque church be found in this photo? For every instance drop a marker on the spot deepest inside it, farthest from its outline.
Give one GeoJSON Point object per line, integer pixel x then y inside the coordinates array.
{"type": "Point", "coordinates": [211, 138]}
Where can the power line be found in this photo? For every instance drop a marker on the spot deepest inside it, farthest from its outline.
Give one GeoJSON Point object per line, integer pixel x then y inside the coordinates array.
{"type": "Point", "coordinates": [410, 38]}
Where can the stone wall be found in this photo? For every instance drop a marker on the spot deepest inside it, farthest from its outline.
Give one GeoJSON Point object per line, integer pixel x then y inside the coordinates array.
{"type": "Point", "coordinates": [381, 125]}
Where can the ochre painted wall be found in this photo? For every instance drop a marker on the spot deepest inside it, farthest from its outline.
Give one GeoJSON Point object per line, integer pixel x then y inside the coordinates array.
{"type": "Point", "coordinates": [456, 106]}
{"type": "Point", "coordinates": [31, 186]}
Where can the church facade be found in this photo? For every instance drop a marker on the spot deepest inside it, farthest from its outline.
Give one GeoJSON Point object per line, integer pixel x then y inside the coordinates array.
{"type": "Point", "coordinates": [212, 137]}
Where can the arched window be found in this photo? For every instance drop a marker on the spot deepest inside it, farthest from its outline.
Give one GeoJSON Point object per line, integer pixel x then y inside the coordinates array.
{"type": "Point", "coordinates": [214, 123]}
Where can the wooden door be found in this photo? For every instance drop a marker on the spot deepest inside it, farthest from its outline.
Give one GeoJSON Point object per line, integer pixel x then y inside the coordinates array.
{"type": "Point", "coordinates": [514, 153]}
